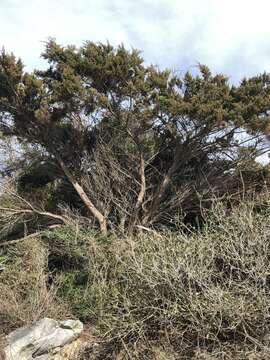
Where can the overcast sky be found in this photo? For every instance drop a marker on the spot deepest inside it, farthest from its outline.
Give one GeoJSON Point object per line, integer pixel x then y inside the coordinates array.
{"type": "Point", "coordinates": [229, 36]}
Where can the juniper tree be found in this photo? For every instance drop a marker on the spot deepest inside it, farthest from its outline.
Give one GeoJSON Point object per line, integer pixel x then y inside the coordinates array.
{"type": "Point", "coordinates": [136, 143]}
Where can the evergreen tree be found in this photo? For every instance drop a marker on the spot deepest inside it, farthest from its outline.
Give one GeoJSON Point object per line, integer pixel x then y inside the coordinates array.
{"type": "Point", "coordinates": [136, 143]}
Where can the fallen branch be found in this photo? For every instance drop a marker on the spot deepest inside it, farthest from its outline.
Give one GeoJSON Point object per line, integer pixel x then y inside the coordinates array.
{"type": "Point", "coordinates": [30, 236]}
{"type": "Point", "coordinates": [34, 211]}
{"type": "Point", "coordinates": [32, 208]}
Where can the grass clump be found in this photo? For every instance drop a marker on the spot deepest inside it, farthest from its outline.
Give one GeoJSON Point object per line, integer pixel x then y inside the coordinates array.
{"type": "Point", "coordinates": [25, 295]}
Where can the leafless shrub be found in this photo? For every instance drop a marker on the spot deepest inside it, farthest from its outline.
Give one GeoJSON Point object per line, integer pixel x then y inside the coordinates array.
{"type": "Point", "coordinates": [206, 292]}
{"type": "Point", "coordinates": [18, 216]}
{"type": "Point", "coordinates": [201, 295]}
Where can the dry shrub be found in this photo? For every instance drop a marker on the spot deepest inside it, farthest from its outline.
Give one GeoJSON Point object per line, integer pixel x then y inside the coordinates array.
{"type": "Point", "coordinates": [24, 295]}
{"type": "Point", "coordinates": [207, 291]}
{"type": "Point", "coordinates": [201, 295]}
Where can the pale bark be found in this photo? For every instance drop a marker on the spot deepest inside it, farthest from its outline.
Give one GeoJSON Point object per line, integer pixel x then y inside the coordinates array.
{"type": "Point", "coordinates": [31, 210]}
{"type": "Point", "coordinates": [143, 184]}
{"type": "Point", "coordinates": [35, 211]}
{"type": "Point", "coordinates": [141, 194]}
{"type": "Point", "coordinates": [88, 203]}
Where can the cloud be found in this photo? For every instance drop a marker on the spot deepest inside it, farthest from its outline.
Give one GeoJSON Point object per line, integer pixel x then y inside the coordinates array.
{"type": "Point", "coordinates": [230, 37]}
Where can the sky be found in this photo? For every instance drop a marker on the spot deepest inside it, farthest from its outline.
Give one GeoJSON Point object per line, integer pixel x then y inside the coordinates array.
{"type": "Point", "coordinates": [229, 36]}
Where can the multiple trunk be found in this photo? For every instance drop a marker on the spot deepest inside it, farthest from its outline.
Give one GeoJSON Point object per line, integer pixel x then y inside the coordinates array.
{"type": "Point", "coordinates": [139, 203]}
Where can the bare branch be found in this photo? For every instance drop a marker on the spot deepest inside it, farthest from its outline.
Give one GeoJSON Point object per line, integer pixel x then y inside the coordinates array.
{"type": "Point", "coordinates": [30, 236]}
{"type": "Point", "coordinates": [88, 203]}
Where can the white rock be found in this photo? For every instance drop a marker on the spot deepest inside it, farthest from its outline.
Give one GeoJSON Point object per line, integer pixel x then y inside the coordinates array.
{"type": "Point", "coordinates": [40, 339]}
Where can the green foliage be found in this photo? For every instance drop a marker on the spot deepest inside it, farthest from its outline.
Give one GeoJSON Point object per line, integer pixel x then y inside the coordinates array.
{"type": "Point", "coordinates": [100, 112]}
{"type": "Point", "coordinates": [103, 138]}
{"type": "Point", "coordinates": [72, 289]}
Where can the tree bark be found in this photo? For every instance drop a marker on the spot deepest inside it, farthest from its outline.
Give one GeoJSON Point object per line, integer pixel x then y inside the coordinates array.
{"type": "Point", "coordinates": [143, 184]}
{"type": "Point", "coordinates": [88, 203]}
{"type": "Point", "coordinates": [141, 195]}
{"type": "Point", "coordinates": [166, 182]}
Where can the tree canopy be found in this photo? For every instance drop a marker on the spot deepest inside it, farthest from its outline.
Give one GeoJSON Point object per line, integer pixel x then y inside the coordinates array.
{"type": "Point", "coordinates": [127, 144]}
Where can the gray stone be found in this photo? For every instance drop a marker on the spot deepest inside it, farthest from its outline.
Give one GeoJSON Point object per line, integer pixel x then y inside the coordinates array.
{"type": "Point", "coordinates": [41, 339]}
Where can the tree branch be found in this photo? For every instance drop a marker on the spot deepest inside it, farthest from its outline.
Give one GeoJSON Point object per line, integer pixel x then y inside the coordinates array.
{"type": "Point", "coordinates": [12, 242]}
{"type": "Point", "coordinates": [88, 203]}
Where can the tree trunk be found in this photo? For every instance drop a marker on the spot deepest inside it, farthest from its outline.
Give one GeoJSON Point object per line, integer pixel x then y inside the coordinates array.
{"type": "Point", "coordinates": [88, 203]}
{"type": "Point", "coordinates": [166, 182]}
{"type": "Point", "coordinates": [140, 197]}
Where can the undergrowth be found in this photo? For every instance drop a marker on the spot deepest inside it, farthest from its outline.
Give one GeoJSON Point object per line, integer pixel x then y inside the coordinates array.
{"type": "Point", "coordinates": [158, 295]}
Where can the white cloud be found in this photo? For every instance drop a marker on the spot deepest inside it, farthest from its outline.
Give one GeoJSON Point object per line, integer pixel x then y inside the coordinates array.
{"type": "Point", "coordinates": [229, 36]}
